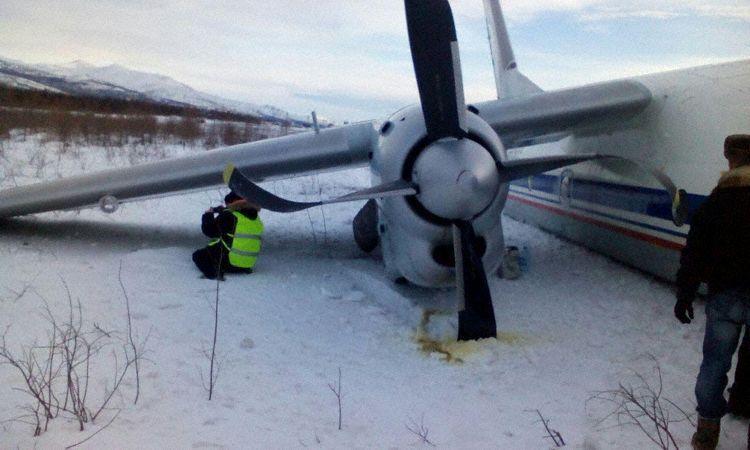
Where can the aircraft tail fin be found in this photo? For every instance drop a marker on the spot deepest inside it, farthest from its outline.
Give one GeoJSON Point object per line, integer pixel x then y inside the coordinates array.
{"type": "Point", "coordinates": [509, 81]}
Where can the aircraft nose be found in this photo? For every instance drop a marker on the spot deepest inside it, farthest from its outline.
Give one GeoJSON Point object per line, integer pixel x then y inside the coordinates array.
{"type": "Point", "coordinates": [457, 178]}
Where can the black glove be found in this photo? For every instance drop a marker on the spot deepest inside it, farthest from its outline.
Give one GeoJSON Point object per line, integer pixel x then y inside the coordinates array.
{"type": "Point", "coordinates": [683, 309]}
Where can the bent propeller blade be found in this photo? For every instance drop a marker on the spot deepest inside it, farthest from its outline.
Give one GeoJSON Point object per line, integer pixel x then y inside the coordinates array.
{"type": "Point", "coordinates": [245, 188]}
{"type": "Point", "coordinates": [477, 319]}
{"type": "Point", "coordinates": [437, 66]}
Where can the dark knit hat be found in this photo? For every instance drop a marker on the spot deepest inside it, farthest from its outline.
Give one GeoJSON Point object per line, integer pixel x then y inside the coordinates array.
{"type": "Point", "coordinates": [737, 146]}
{"type": "Point", "coordinates": [231, 197]}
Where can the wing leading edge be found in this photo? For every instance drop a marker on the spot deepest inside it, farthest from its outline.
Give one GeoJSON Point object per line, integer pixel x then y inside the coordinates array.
{"type": "Point", "coordinates": [335, 148]}
{"type": "Point", "coordinates": [549, 116]}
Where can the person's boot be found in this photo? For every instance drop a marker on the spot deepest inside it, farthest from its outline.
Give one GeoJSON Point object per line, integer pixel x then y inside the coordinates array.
{"type": "Point", "coordinates": [706, 436]}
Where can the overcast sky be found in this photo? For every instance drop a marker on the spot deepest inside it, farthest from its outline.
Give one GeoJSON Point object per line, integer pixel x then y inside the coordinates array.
{"type": "Point", "coordinates": [350, 60]}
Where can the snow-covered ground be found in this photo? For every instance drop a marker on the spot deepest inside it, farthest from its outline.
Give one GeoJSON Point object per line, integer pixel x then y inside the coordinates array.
{"type": "Point", "coordinates": [574, 324]}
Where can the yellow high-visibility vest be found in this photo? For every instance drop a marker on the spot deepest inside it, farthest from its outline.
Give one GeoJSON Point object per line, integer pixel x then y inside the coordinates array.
{"type": "Point", "coordinates": [246, 240]}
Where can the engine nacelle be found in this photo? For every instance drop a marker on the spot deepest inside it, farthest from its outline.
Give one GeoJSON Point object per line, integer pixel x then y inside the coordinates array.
{"type": "Point", "coordinates": [417, 244]}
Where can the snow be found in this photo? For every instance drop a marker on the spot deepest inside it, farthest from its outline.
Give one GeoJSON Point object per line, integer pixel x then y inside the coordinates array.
{"type": "Point", "coordinates": [24, 83]}
{"type": "Point", "coordinates": [573, 324]}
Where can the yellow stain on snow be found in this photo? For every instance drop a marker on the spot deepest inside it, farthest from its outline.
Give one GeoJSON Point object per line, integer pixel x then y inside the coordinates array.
{"type": "Point", "coordinates": [456, 352]}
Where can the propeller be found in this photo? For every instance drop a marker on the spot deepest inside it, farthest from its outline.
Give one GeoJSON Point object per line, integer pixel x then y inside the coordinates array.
{"type": "Point", "coordinates": [457, 178]}
{"type": "Point", "coordinates": [477, 318]}
{"type": "Point", "coordinates": [434, 50]}
{"type": "Point", "coordinates": [437, 66]}
{"type": "Point", "coordinates": [247, 189]}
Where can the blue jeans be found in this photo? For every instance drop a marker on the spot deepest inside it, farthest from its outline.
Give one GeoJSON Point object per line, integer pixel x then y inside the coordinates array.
{"type": "Point", "coordinates": [726, 313]}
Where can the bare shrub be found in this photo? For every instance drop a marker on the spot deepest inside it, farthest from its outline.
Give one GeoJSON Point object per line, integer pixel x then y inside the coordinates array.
{"type": "Point", "coordinates": [39, 162]}
{"type": "Point", "coordinates": [214, 366]}
{"type": "Point", "coordinates": [134, 349]}
{"type": "Point", "coordinates": [229, 133]}
{"type": "Point", "coordinates": [188, 130]}
{"type": "Point", "coordinates": [249, 133]}
{"type": "Point", "coordinates": [4, 132]}
{"type": "Point", "coordinates": [420, 430]}
{"type": "Point", "coordinates": [642, 405]}
{"type": "Point", "coordinates": [553, 434]}
{"type": "Point", "coordinates": [212, 138]}
{"type": "Point", "coordinates": [336, 389]}
{"type": "Point", "coordinates": [58, 375]}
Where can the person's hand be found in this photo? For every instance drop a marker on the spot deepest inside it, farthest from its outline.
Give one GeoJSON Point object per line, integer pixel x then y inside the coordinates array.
{"type": "Point", "coordinates": [683, 310]}
{"type": "Point", "coordinates": [210, 211]}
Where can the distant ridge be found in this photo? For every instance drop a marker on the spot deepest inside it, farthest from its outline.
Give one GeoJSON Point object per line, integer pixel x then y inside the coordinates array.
{"type": "Point", "coordinates": [118, 82]}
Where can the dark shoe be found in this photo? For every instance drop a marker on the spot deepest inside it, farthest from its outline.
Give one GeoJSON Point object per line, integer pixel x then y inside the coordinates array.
{"type": "Point", "coordinates": [706, 436]}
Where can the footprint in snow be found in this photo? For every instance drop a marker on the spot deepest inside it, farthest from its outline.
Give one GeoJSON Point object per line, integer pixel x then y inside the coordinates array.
{"type": "Point", "coordinates": [170, 306]}
{"type": "Point", "coordinates": [329, 294]}
{"type": "Point", "coordinates": [204, 444]}
{"type": "Point", "coordinates": [247, 343]}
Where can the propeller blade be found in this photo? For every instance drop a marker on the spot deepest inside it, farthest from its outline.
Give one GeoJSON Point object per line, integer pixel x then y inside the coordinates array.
{"type": "Point", "coordinates": [434, 50]}
{"type": "Point", "coordinates": [477, 319]}
{"type": "Point", "coordinates": [245, 188]}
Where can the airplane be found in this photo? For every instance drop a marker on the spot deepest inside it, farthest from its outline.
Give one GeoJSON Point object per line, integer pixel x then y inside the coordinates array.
{"type": "Point", "coordinates": [618, 166]}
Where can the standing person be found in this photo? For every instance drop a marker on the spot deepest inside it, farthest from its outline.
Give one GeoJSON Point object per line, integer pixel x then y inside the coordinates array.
{"type": "Point", "coordinates": [718, 252]}
{"type": "Point", "coordinates": [235, 231]}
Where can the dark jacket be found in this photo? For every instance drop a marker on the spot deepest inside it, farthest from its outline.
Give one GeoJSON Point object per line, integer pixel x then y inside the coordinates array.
{"type": "Point", "coordinates": [222, 224]}
{"type": "Point", "coordinates": [718, 244]}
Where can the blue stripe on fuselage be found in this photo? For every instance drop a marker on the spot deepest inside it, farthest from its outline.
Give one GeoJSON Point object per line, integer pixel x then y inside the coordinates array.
{"type": "Point", "coordinates": [651, 202]}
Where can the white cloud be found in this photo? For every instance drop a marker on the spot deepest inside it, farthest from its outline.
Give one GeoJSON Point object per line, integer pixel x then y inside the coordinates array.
{"type": "Point", "coordinates": [291, 52]}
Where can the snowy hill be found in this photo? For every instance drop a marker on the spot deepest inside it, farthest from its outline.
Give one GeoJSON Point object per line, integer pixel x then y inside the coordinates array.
{"type": "Point", "coordinates": [116, 81]}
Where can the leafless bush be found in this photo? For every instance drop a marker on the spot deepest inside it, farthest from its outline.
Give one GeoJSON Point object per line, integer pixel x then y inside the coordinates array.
{"type": "Point", "coordinates": [4, 135]}
{"type": "Point", "coordinates": [420, 430]}
{"type": "Point", "coordinates": [188, 130]}
{"type": "Point", "coordinates": [57, 375]}
{"type": "Point", "coordinates": [642, 404]}
{"type": "Point", "coordinates": [551, 432]}
{"type": "Point", "coordinates": [212, 138]}
{"type": "Point", "coordinates": [230, 135]}
{"type": "Point", "coordinates": [336, 389]}
{"type": "Point", "coordinates": [213, 362]}
{"type": "Point", "coordinates": [39, 161]}
{"type": "Point", "coordinates": [134, 349]}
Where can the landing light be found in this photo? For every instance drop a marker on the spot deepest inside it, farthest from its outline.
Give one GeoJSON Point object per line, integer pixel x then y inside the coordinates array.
{"type": "Point", "coordinates": [109, 204]}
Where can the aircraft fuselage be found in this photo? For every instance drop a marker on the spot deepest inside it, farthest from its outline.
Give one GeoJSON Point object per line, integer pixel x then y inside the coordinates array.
{"type": "Point", "coordinates": [621, 210]}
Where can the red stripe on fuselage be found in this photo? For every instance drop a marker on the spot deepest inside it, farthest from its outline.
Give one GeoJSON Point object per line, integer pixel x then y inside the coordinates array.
{"type": "Point", "coordinates": [625, 231]}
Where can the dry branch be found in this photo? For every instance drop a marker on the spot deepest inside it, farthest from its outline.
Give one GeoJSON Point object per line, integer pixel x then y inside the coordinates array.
{"type": "Point", "coordinates": [643, 406]}
{"type": "Point", "coordinates": [336, 389]}
{"type": "Point", "coordinates": [420, 430]}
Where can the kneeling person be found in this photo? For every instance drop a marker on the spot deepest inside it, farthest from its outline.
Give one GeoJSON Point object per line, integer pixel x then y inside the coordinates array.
{"type": "Point", "coordinates": [235, 232]}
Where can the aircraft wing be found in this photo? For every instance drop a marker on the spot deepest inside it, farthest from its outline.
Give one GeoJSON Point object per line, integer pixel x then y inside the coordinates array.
{"type": "Point", "coordinates": [550, 116]}
{"type": "Point", "coordinates": [333, 148]}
